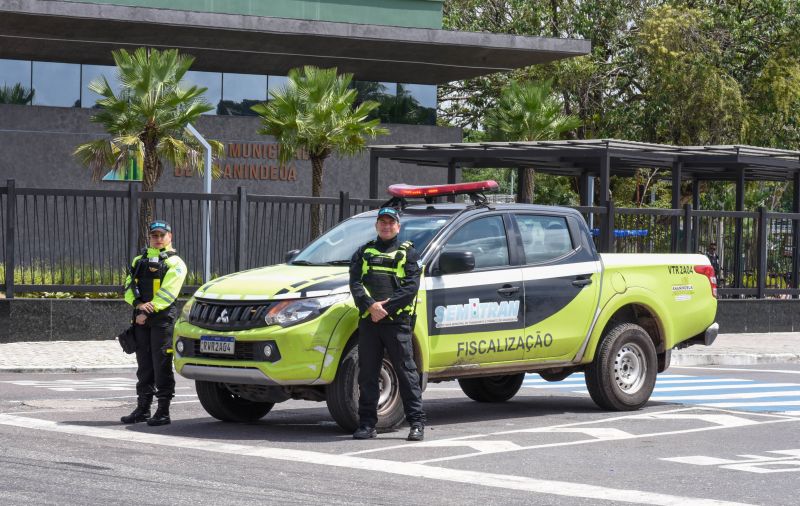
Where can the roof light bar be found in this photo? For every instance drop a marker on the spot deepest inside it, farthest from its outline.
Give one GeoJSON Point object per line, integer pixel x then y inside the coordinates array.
{"type": "Point", "coordinates": [410, 191]}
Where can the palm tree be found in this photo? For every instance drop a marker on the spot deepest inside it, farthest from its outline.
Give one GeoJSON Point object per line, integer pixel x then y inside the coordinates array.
{"type": "Point", "coordinates": [316, 112]}
{"type": "Point", "coordinates": [529, 112]}
{"type": "Point", "coordinates": [16, 94]}
{"type": "Point", "coordinates": [146, 120]}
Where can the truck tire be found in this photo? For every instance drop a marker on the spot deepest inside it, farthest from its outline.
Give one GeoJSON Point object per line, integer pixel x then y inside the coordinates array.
{"type": "Point", "coordinates": [492, 388]}
{"type": "Point", "coordinates": [623, 373]}
{"type": "Point", "coordinates": [342, 394]}
{"type": "Point", "coordinates": [224, 405]}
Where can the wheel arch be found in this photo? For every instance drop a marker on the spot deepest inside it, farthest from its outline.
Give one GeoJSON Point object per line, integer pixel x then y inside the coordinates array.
{"type": "Point", "coordinates": [639, 307]}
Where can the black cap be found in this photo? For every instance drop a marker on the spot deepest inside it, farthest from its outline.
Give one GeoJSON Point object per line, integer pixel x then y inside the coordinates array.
{"type": "Point", "coordinates": [159, 225]}
{"type": "Point", "coordinates": [390, 212]}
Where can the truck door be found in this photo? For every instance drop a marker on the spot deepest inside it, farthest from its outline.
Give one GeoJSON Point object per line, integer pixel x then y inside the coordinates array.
{"type": "Point", "coordinates": [560, 279]}
{"type": "Point", "coordinates": [476, 317]}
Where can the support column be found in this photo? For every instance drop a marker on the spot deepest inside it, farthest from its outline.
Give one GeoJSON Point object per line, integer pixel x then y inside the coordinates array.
{"type": "Point", "coordinates": [738, 266]}
{"type": "Point", "coordinates": [607, 237]}
{"type": "Point", "coordinates": [677, 168]}
{"type": "Point", "coordinates": [451, 177]}
{"type": "Point", "coordinates": [696, 219]}
{"type": "Point", "coordinates": [796, 233]}
{"type": "Point", "coordinates": [373, 175]}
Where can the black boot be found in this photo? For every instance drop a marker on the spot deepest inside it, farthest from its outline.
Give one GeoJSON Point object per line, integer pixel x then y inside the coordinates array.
{"type": "Point", "coordinates": [161, 416]}
{"type": "Point", "coordinates": [140, 414]}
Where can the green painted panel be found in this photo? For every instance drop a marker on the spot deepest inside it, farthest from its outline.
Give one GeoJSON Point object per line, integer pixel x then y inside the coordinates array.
{"type": "Point", "coordinates": [410, 13]}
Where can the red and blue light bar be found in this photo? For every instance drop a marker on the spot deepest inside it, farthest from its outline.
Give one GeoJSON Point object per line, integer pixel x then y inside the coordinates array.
{"type": "Point", "coordinates": [410, 191]}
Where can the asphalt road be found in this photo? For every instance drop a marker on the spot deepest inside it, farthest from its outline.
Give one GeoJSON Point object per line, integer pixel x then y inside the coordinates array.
{"type": "Point", "coordinates": [61, 443]}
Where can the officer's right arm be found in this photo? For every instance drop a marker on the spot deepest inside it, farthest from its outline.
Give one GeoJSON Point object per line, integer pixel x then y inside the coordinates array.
{"type": "Point", "coordinates": [360, 296]}
{"type": "Point", "coordinates": [130, 298]}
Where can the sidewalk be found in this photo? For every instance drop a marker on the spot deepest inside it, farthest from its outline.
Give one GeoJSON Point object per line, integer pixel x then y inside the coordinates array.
{"type": "Point", "coordinates": [81, 356]}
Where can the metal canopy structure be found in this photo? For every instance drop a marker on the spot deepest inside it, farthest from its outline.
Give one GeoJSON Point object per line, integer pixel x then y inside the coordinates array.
{"type": "Point", "coordinates": [603, 158]}
{"type": "Point", "coordinates": [591, 157]}
{"type": "Point", "coordinates": [87, 32]}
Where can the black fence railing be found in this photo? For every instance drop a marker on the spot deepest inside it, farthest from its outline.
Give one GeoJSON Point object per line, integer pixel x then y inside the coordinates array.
{"type": "Point", "coordinates": [81, 240]}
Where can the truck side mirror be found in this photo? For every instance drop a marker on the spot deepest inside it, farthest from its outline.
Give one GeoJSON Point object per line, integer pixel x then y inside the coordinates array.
{"type": "Point", "coordinates": [453, 262]}
{"type": "Point", "coordinates": [291, 254]}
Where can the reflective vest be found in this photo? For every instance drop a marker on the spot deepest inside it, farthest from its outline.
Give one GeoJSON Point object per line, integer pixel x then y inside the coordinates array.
{"type": "Point", "coordinates": [144, 282]}
{"type": "Point", "coordinates": [381, 273]}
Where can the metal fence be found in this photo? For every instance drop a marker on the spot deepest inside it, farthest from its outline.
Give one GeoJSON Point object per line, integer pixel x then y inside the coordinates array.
{"type": "Point", "coordinates": [81, 240]}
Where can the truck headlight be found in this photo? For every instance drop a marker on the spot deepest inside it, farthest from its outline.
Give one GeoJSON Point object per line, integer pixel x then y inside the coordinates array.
{"type": "Point", "coordinates": [187, 308]}
{"type": "Point", "coordinates": [294, 311]}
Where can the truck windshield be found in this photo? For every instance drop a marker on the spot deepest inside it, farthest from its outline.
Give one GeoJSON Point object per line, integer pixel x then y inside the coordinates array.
{"type": "Point", "coordinates": [337, 245]}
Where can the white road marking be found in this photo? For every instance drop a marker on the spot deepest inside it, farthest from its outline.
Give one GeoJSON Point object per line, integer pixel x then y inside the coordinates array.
{"type": "Point", "coordinates": [752, 403]}
{"type": "Point", "coordinates": [782, 371]}
{"type": "Point", "coordinates": [738, 395]}
{"type": "Point", "coordinates": [749, 463]}
{"type": "Point", "coordinates": [720, 418]}
{"type": "Point", "coordinates": [508, 482]}
{"type": "Point", "coordinates": [726, 387]}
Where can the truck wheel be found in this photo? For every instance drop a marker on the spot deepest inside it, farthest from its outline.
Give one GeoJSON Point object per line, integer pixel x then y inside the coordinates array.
{"type": "Point", "coordinates": [224, 405]}
{"type": "Point", "coordinates": [623, 373]}
{"type": "Point", "coordinates": [342, 394]}
{"type": "Point", "coordinates": [492, 388]}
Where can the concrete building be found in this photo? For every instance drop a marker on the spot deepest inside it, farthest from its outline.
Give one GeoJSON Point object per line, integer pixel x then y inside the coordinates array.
{"type": "Point", "coordinates": [396, 50]}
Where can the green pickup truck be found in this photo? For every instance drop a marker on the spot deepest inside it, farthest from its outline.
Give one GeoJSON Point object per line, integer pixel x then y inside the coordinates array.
{"type": "Point", "coordinates": [506, 289]}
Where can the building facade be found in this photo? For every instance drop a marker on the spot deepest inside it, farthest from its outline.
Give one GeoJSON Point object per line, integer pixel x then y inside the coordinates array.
{"type": "Point", "coordinates": [243, 49]}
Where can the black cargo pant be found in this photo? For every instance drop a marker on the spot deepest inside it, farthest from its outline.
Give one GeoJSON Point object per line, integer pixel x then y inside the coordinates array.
{"type": "Point", "coordinates": [395, 338]}
{"type": "Point", "coordinates": [154, 374]}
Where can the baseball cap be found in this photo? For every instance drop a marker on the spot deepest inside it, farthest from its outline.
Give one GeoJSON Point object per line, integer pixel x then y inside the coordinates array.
{"type": "Point", "coordinates": [159, 225]}
{"type": "Point", "coordinates": [390, 212]}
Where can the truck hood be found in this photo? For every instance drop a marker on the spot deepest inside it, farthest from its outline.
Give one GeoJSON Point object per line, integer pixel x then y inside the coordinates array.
{"type": "Point", "coordinates": [282, 281]}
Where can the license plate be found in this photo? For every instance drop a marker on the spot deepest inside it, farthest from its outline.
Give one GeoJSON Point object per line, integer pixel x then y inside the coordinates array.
{"type": "Point", "coordinates": [217, 344]}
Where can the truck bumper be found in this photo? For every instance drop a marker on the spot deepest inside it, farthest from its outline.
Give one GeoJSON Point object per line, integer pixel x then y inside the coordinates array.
{"type": "Point", "coordinates": [235, 375]}
{"type": "Point", "coordinates": [704, 339]}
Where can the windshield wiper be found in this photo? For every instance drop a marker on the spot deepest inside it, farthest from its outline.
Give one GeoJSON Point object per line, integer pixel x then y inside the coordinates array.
{"type": "Point", "coordinates": [302, 262]}
{"type": "Point", "coordinates": [338, 262]}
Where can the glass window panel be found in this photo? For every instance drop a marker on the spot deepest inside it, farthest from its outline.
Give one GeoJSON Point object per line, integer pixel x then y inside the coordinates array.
{"type": "Point", "coordinates": [15, 82]}
{"type": "Point", "coordinates": [416, 104]}
{"type": "Point", "coordinates": [276, 83]}
{"type": "Point", "coordinates": [91, 72]}
{"type": "Point", "coordinates": [210, 80]}
{"type": "Point", "coordinates": [56, 84]}
{"type": "Point", "coordinates": [485, 238]}
{"type": "Point", "coordinates": [240, 92]}
{"type": "Point", "coordinates": [544, 238]}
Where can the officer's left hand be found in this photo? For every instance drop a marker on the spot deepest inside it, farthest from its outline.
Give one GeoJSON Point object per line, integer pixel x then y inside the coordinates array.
{"type": "Point", "coordinates": [376, 311]}
{"type": "Point", "coordinates": [141, 319]}
{"type": "Point", "coordinates": [147, 307]}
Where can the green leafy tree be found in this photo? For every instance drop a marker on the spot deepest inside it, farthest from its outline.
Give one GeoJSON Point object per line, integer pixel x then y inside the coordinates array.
{"type": "Point", "coordinates": [16, 94]}
{"type": "Point", "coordinates": [316, 111]}
{"type": "Point", "coordinates": [146, 120]}
{"type": "Point", "coordinates": [529, 112]}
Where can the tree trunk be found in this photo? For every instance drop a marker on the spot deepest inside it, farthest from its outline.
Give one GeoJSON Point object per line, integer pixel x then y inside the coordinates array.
{"type": "Point", "coordinates": [526, 185]}
{"type": "Point", "coordinates": [150, 173]}
{"type": "Point", "coordinates": [316, 191]}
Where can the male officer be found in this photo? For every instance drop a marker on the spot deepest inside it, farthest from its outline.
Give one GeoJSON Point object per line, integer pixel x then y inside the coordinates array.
{"type": "Point", "coordinates": [152, 286]}
{"type": "Point", "coordinates": [384, 279]}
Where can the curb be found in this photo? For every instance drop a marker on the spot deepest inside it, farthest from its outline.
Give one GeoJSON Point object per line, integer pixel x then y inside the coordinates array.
{"type": "Point", "coordinates": [684, 359]}
{"type": "Point", "coordinates": [68, 369]}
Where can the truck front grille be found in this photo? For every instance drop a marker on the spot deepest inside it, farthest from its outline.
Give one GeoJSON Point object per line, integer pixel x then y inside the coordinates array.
{"type": "Point", "coordinates": [223, 315]}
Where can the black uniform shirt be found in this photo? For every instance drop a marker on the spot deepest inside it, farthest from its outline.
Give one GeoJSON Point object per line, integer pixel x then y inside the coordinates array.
{"type": "Point", "coordinates": [403, 294]}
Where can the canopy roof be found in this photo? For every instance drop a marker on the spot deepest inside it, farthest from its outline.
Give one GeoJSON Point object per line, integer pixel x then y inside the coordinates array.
{"type": "Point", "coordinates": [586, 157]}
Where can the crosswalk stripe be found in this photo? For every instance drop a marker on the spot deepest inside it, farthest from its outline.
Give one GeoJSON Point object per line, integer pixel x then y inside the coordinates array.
{"type": "Point", "coordinates": [736, 395]}
{"type": "Point", "coordinates": [722, 392]}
